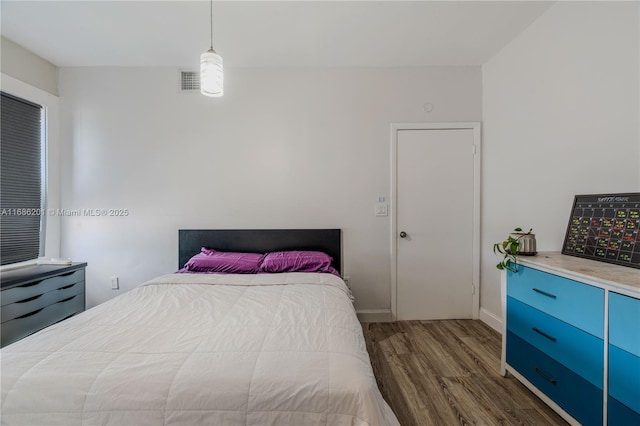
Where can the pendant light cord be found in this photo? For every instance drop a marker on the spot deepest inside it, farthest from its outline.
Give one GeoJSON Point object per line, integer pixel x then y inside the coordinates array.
{"type": "Point", "coordinates": [211, 21]}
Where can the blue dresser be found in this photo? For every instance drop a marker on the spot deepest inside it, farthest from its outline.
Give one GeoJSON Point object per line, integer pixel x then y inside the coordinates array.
{"type": "Point", "coordinates": [35, 297]}
{"type": "Point", "coordinates": [560, 342]}
{"type": "Point", "coordinates": [624, 360]}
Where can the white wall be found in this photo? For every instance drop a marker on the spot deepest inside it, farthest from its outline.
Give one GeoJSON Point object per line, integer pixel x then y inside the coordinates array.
{"type": "Point", "coordinates": [28, 67]}
{"type": "Point", "coordinates": [284, 148]}
{"type": "Point", "coordinates": [560, 118]}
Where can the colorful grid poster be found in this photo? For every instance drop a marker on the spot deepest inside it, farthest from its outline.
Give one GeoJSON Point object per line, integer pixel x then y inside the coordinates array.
{"type": "Point", "coordinates": [605, 227]}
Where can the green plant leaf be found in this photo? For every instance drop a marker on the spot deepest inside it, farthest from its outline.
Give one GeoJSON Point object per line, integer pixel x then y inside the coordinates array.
{"type": "Point", "coordinates": [509, 249]}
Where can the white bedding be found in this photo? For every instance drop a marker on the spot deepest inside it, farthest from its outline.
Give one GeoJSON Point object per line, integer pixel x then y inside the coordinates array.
{"type": "Point", "coordinates": [191, 349]}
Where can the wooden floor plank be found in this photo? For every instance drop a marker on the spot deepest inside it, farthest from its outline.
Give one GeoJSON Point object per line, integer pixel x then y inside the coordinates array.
{"type": "Point", "coordinates": [447, 373]}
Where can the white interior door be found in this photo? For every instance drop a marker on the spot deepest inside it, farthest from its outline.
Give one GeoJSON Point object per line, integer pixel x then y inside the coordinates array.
{"type": "Point", "coordinates": [435, 209]}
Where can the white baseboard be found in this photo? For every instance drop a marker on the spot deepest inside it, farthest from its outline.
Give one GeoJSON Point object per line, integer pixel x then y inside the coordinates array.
{"type": "Point", "coordinates": [491, 320]}
{"type": "Point", "coordinates": [375, 315]}
{"type": "Point", "coordinates": [384, 315]}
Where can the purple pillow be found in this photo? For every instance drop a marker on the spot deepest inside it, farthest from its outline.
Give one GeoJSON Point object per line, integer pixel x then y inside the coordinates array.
{"type": "Point", "coordinates": [296, 261]}
{"type": "Point", "coordinates": [228, 262]}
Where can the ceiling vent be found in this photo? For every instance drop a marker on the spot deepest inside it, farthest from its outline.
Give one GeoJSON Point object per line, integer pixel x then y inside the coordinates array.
{"type": "Point", "coordinates": [189, 81]}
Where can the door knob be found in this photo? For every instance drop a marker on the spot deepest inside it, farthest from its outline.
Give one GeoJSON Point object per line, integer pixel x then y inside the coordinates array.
{"type": "Point", "coordinates": [403, 234]}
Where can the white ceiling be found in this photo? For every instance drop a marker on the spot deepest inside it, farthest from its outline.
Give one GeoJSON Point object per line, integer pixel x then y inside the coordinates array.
{"type": "Point", "coordinates": [267, 33]}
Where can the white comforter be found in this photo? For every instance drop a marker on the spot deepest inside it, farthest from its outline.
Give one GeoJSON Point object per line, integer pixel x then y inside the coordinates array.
{"type": "Point", "coordinates": [192, 349]}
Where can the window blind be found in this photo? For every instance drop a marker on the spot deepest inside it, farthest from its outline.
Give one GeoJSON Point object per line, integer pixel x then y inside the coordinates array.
{"type": "Point", "coordinates": [21, 171]}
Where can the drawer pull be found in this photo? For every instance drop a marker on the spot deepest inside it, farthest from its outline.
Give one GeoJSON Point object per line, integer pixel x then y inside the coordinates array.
{"type": "Point", "coordinates": [29, 314]}
{"type": "Point", "coordinates": [29, 284]}
{"type": "Point", "coordinates": [66, 300]}
{"type": "Point", "coordinates": [29, 299]}
{"type": "Point", "coordinates": [68, 316]}
{"type": "Point", "coordinates": [67, 286]}
{"type": "Point", "coordinates": [544, 293]}
{"type": "Point", "coordinates": [542, 333]}
{"type": "Point", "coordinates": [66, 274]}
{"type": "Point", "coordinates": [544, 376]}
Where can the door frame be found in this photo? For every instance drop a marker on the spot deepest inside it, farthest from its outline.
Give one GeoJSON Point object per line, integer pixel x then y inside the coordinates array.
{"type": "Point", "coordinates": [475, 126]}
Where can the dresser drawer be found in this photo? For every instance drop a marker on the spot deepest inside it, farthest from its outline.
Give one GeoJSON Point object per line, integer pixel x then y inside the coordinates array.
{"type": "Point", "coordinates": [575, 395]}
{"type": "Point", "coordinates": [31, 304]}
{"type": "Point", "coordinates": [624, 377]}
{"type": "Point", "coordinates": [34, 288]}
{"type": "Point", "coordinates": [20, 327]}
{"type": "Point", "coordinates": [578, 304]}
{"type": "Point", "coordinates": [624, 323]}
{"type": "Point", "coordinates": [621, 415]}
{"type": "Point", "coordinates": [575, 349]}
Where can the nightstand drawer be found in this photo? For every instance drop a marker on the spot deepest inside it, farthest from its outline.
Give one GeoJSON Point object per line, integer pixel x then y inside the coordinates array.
{"type": "Point", "coordinates": [575, 395]}
{"type": "Point", "coordinates": [624, 323]}
{"type": "Point", "coordinates": [575, 349]}
{"type": "Point", "coordinates": [20, 327]}
{"type": "Point", "coordinates": [578, 304]}
{"type": "Point", "coordinates": [621, 415]}
{"type": "Point", "coordinates": [31, 304]}
{"type": "Point", "coordinates": [34, 288]}
{"type": "Point", "coordinates": [624, 377]}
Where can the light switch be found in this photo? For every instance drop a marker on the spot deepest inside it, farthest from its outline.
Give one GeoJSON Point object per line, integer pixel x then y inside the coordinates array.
{"type": "Point", "coordinates": [381, 209]}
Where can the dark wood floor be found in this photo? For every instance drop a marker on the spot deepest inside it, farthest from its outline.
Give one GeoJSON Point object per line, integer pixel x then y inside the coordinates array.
{"type": "Point", "coordinates": [447, 373]}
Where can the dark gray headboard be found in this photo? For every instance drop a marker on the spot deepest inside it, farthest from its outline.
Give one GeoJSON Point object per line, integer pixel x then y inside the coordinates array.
{"type": "Point", "coordinates": [260, 241]}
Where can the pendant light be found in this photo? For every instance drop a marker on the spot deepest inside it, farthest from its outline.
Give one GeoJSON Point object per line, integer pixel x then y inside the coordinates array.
{"type": "Point", "coordinates": [211, 73]}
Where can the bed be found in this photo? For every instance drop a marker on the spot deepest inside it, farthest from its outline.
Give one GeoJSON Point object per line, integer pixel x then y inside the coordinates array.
{"type": "Point", "coordinates": [205, 348]}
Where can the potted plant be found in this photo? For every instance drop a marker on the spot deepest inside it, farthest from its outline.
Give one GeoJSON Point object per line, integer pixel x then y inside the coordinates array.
{"type": "Point", "coordinates": [518, 243]}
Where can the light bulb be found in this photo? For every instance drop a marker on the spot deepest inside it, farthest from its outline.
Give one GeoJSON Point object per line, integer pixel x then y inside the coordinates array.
{"type": "Point", "coordinates": [211, 74]}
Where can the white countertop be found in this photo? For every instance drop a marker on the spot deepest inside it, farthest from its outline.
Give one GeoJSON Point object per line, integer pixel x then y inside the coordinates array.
{"type": "Point", "coordinates": [606, 275]}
